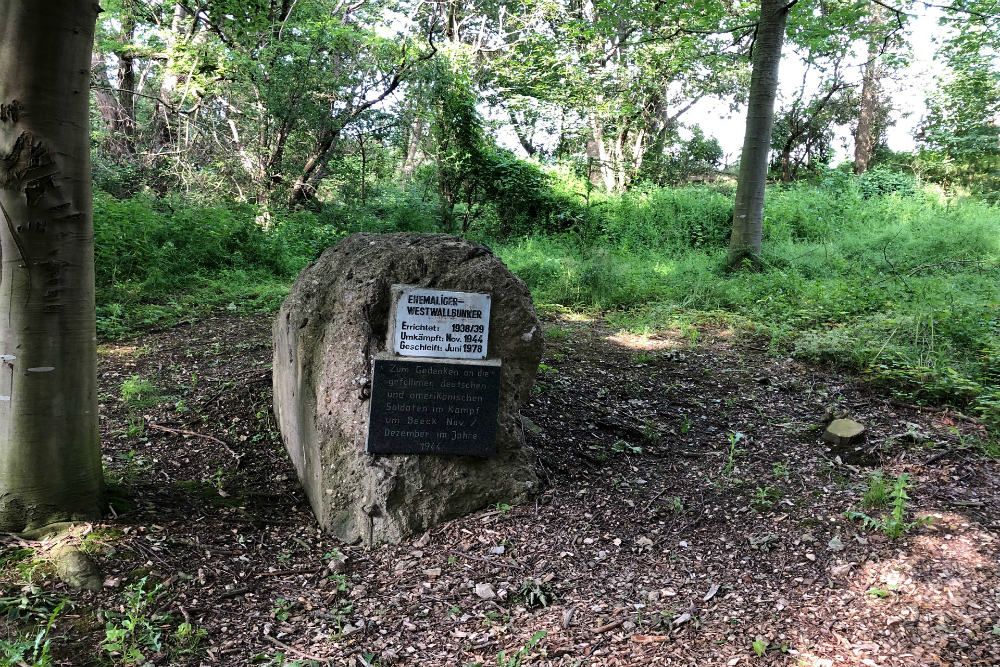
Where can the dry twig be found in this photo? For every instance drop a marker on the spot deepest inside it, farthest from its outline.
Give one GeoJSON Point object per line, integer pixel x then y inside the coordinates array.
{"type": "Point", "coordinates": [194, 434]}
{"type": "Point", "coordinates": [292, 649]}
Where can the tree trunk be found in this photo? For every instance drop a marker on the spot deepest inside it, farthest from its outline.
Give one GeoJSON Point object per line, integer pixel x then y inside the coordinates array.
{"type": "Point", "coordinates": [748, 216]}
{"type": "Point", "coordinates": [306, 184]}
{"type": "Point", "coordinates": [164, 133]}
{"type": "Point", "coordinates": [864, 140]}
{"type": "Point", "coordinates": [864, 136]}
{"type": "Point", "coordinates": [413, 148]}
{"type": "Point", "coordinates": [115, 117]}
{"type": "Point", "coordinates": [50, 458]}
{"type": "Point", "coordinates": [126, 78]}
{"type": "Point", "coordinates": [596, 150]}
{"type": "Point", "coordinates": [786, 164]}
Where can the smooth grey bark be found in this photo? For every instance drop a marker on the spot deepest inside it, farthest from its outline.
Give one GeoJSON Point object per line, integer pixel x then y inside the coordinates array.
{"type": "Point", "coordinates": [748, 215]}
{"type": "Point", "coordinates": [50, 458]}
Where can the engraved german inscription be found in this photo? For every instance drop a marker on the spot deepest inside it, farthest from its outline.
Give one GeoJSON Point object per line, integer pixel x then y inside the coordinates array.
{"type": "Point", "coordinates": [434, 407]}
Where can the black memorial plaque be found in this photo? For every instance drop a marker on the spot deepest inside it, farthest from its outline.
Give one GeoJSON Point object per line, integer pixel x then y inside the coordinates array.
{"type": "Point", "coordinates": [425, 407]}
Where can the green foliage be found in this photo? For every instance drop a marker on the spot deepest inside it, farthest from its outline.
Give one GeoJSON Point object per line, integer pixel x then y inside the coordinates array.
{"type": "Point", "coordinates": [31, 604]}
{"type": "Point", "coordinates": [159, 260]}
{"type": "Point", "coordinates": [477, 181]}
{"type": "Point", "coordinates": [134, 630]}
{"type": "Point", "coordinates": [802, 133]}
{"type": "Point", "coordinates": [893, 524]}
{"type": "Point", "coordinates": [282, 610]}
{"type": "Point", "coordinates": [960, 137]}
{"type": "Point", "coordinates": [186, 639]}
{"type": "Point", "coordinates": [858, 273]}
{"type": "Point", "coordinates": [759, 647]}
{"type": "Point", "coordinates": [734, 453]}
{"type": "Point", "coordinates": [877, 495]}
{"type": "Point", "coordinates": [604, 452]}
{"type": "Point", "coordinates": [138, 392]}
{"type": "Point", "coordinates": [765, 497]}
{"type": "Point", "coordinates": [535, 593]}
{"type": "Point", "coordinates": [669, 219]}
{"type": "Point", "coordinates": [881, 181]}
{"type": "Point", "coordinates": [521, 195]}
{"type": "Point", "coordinates": [30, 651]}
{"type": "Point", "coordinates": [674, 162]}
{"type": "Point", "coordinates": [515, 659]}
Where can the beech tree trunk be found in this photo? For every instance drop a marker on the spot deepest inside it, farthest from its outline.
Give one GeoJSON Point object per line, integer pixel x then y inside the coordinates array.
{"type": "Point", "coordinates": [50, 458]}
{"type": "Point", "coordinates": [748, 216]}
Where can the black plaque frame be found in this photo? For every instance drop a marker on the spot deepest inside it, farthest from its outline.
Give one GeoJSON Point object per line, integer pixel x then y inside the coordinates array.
{"type": "Point", "coordinates": [421, 406]}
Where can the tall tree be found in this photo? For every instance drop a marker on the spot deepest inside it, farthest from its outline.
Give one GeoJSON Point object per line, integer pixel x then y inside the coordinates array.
{"type": "Point", "coordinates": [50, 460]}
{"type": "Point", "coordinates": [827, 28]}
{"type": "Point", "coordinates": [748, 215]}
{"type": "Point", "coordinates": [865, 133]}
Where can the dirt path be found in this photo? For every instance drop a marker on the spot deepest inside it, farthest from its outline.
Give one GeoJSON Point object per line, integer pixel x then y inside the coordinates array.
{"type": "Point", "coordinates": [691, 511]}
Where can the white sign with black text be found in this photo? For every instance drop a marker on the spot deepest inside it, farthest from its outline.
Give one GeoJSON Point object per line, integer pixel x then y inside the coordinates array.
{"type": "Point", "coordinates": [441, 323]}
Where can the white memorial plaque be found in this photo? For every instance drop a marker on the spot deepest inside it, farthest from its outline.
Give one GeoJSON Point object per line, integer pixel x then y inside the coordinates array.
{"type": "Point", "coordinates": [440, 323]}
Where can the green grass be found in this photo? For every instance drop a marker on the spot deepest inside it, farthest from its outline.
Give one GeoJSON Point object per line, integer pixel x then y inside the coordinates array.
{"type": "Point", "coordinates": [138, 392]}
{"type": "Point", "coordinates": [903, 289]}
{"type": "Point", "coordinates": [877, 494]}
{"type": "Point", "coordinates": [873, 274]}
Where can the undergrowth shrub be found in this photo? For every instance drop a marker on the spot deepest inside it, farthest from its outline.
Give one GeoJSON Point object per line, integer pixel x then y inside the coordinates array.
{"type": "Point", "coordinates": [666, 218]}
{"type": "Point", "coordinates": [866, 273]}
{"type": "Point", "coordinates": [882, 181]}
{"type": "Point", "coordinates": [905, 289]}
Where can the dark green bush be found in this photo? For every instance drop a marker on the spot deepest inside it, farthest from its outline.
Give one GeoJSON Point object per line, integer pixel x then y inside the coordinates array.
{"type": "Point", "coordinates": [652, 218]}
{"type": "Point", "coordinates": [882, 181]}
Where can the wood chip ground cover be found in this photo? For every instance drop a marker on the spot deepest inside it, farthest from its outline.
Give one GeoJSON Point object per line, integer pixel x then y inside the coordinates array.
{"type": "Point", "coordinates": [691, 515]}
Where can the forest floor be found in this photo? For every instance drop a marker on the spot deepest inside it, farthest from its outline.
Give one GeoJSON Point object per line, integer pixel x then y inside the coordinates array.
{"type": "Point", "coordinates": [691, 515]}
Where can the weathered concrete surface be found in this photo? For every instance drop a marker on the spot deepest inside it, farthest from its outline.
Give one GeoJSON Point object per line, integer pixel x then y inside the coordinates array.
{"type": "Point", "coordinates": [326, 335]}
